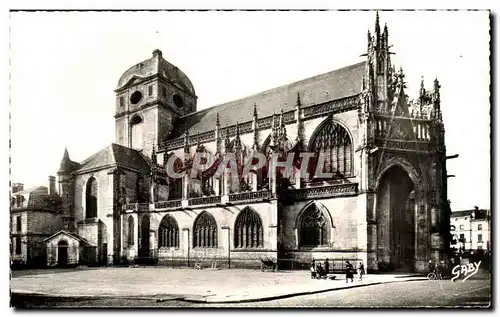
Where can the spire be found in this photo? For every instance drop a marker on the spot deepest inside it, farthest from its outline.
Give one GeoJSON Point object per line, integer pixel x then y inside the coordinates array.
{"type": "Point", "coordinates": [299, 120]}
{"type": "Point", "coordinates": [255, 128]}
{"type": "Point", "coordinates": [436, 99]}
{"type": "Point", "coordinates": [226, 139]}
{"type": "Point", "coordinates": [386, 35]}
{"type": "Point", "coordinates": [66, 165]}
{"type": "Point", "coordinates": [422, 87]}
{"type": "Point", "coordinates": [377, 28]}
{"type": "Point", "coordinates": [237, 140]}
{"type": "Point", "coordinates": [153, 156]}
{"type": "Point", "coordinates": [154, 163]}
{"type": "Point", "coordinates": [274, 136]}
{"type": "Point", "coordinates": [218, 139]}
{"type": "Point", "coordinates": [186, 140]}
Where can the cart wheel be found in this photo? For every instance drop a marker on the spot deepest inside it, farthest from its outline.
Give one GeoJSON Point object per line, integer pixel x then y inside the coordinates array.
{"type": "Point", "coordinates": [431, 276]}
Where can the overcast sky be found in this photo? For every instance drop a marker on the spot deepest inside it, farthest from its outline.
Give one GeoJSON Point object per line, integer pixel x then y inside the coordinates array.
{"type": "Point", "coordinates": [65, 67]}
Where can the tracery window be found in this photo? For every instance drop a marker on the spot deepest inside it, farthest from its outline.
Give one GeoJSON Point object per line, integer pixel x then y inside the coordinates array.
{"type": "Point", "coordinates": [168, 235]}
{"type": "Point", "coordinates": [248, 230]}
{"type": "Point", "coordinates": [334, 143]}
{"type": "Point", "coordinates": [313, 227]}
{"type": "Point", "coordinates": [205, 231]}
{"type": "Point", "coordinates": [91, 198]}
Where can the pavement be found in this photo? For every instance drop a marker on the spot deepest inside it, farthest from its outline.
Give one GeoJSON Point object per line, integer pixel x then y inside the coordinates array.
{"type": "Point", "coordinates": [199, 286]}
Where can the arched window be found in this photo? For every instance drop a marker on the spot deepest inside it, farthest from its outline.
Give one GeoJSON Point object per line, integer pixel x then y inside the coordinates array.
{"type": "Point", "coordinates": [248, 231]}
{"type": "Point", "coordinates": [333, 141]}
{"type": "Point", "coordinates": [205, 231]}
{"type": "Point", "coordinates": [91, 198]}
{"type": "Point", "coordinates": [168, 234]}
{"type": "Point", "coordinates": [130, 236]}
{"type": "Point", "coordinates": [136, 132]}
{"type": "Point", "coordinates": [313, 227]}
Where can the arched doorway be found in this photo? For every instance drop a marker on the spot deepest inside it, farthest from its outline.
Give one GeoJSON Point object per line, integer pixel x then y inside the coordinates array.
{"type": "Point", "coordinates": [396, 221]}
{"type": "Point", "coordinates": [62, 253]}
{"type": "Point", "coordinates": [145, 227]}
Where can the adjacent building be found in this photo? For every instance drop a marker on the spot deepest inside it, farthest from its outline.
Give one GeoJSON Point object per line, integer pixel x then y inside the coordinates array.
{"type": "Point", "coordinates": [471, 230]}
{"type": "Point", "coordinates": [35, 213]}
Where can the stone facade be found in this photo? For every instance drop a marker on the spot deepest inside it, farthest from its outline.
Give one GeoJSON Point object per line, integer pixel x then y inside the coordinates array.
{"type": "Point", "coordinates": [385, 203]}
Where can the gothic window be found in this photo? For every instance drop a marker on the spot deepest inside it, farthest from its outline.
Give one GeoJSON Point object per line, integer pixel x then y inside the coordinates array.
{"type": "Point", "coordinates": [313, 227]}
{"type": "Point", "coordinates": [333, 141]}
{"type": "Point", "coordinates": [168, 234]}
{"type": "Point", "coordinates": [205, 231]}
{"type": "Point", "coordinates": [130, 236]}
{"type": "Point", "coordinates": [91, 198]}
{"type": "Point", "coordinates": [248, 230]}
{"type": "Point", "coordinates": [136, 132]}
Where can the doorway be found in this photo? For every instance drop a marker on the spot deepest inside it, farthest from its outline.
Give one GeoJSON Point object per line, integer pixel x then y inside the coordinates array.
{"type": "Point", "coordinates": [62, 251]}
{"type": "Point", "coordinates": [396, 222]}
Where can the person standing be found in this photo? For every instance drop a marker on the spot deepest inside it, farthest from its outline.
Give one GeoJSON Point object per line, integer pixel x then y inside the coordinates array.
{"type": "Point", "coordinates": [361, 270]}
{"type": "Point", "coordinates": [327, 266]}
{"type": "Point", "coordinates": [349, 274]}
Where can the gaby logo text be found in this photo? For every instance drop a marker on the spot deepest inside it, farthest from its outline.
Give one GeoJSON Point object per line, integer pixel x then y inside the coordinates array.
{"type": "Point", "coordinates": [466, 270]}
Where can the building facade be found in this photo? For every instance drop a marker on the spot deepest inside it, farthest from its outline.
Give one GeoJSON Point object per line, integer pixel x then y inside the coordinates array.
{"type": "Point", "coordinates": [35, 214]}
{"type": "Point", "coordinates": [470, 230]}
{"type": "Point", "coordinates": [384, 203]}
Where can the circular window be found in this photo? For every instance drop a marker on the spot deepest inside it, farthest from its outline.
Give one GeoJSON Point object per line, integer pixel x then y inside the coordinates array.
{"type": "Point", "coordinates": [178, 100]}
{"type": "Point", "coordinates": [136, 97]}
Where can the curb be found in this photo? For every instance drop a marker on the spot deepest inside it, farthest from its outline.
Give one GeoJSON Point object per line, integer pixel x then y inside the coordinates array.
{"type": "Point", "coordinates": [282, 296]}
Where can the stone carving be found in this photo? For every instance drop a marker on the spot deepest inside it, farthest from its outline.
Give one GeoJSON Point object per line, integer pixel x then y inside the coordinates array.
{"type": "Point", "coordinates": [325, 191]}
{"type": "Point", "coordinates": [248, 196]}
{"type": "Point", "coordinates": [168, 204]}
{"type": "Point", "coordinates": [204, 200]}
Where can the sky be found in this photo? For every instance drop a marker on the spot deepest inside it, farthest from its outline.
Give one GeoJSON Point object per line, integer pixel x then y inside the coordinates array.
{"type": "Point", "coordinates": [64, 67]}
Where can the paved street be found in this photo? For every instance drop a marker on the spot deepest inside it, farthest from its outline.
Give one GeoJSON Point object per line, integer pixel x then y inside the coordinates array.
{"type": "Point", "coordinates": [401, 294]}
{"type": "Point", "coordinates": [164, 287]}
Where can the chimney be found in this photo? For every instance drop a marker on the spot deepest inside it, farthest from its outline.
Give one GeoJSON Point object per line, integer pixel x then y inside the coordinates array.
{"type": "Point", "coordinates": [52, 185]}
{"type": "Point", "coordinates": [17, 187]}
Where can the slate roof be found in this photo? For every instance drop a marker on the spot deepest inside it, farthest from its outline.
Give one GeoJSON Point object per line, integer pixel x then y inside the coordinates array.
{"type": "Point", "coordinates": [38, 198]}
{"type": "Point", "coordinates": [73, 235]}
{"type": "Point", "coordinates": [340, 83]}
{"type": "Point", "coordinates": [483, 213]}
{"type": "Point", "coordinates": [117, 155]}
{"type": "Point", "coordinates": [156, 65]}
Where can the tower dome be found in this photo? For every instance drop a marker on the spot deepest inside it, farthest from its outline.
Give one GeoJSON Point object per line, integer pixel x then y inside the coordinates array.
{"type": "Point", "coordinates": [157, 65]}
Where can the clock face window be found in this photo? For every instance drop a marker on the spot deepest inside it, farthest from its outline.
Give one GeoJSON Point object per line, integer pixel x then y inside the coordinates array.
{"type": "Point", "coordinates": [136, 97]}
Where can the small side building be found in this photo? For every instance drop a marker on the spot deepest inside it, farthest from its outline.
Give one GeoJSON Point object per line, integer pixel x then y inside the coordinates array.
{"type": "Point", "coordinates": [34, 215]}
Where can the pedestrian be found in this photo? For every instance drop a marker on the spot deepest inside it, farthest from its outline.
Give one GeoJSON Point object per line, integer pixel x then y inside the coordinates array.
{"type": "Point", "coordinates": [313, 269]}
{"type": "Point", "coordinates": [431, 267]}
{"type": "Point", "coordinates": [361, 270]}
{"type": "Point", "coordinates": [327, 266]}
{"type": "Point", "coordinates": [349, 274]}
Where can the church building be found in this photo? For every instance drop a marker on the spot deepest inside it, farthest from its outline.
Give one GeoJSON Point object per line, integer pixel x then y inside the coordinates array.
{"type": "Point", "coordinates": [386, 203]}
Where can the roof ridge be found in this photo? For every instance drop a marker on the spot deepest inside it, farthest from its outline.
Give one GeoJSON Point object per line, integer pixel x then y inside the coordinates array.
{"type": "Point", "coordinates": [271, 89]}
